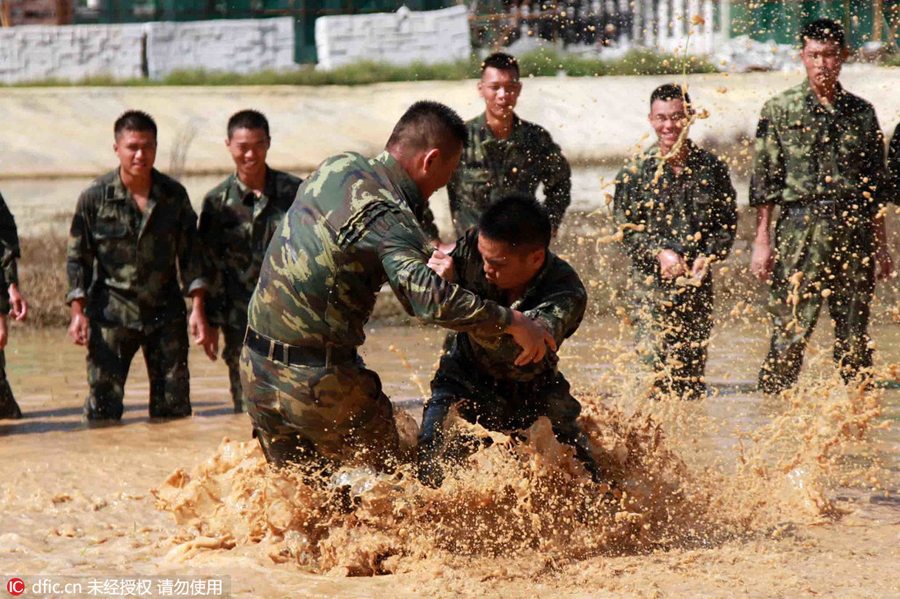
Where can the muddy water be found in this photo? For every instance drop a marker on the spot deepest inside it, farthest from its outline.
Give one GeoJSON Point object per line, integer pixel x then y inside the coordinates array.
{"type": "Point", "coordinates": [78, 502]}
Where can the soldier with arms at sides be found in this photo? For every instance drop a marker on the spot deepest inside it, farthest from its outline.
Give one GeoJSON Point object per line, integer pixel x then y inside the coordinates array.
{"type": "Point", "coordinates": [132, 254]}
{"type": "Point", "coordinates": [237, 222]}
{"type": "Point", "coordinates": [820, 158]}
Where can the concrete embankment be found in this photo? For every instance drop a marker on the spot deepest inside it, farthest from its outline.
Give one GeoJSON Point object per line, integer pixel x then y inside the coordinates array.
{"type": "Point", "coordinates": [53, 132]}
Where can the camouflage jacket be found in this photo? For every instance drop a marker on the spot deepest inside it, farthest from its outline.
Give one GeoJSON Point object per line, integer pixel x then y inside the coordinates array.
{"type": "Point", "coordinates": [555, 297]}
{"type": "Point", "coordinates": [809, 152]}
{"type": "Point", "coordinates": [126, 263]}
{"type": "Point", "coordinates": [355, 226]}
{"type": "Point", "coordinates": [9, 254]}
{"type": "Point", "coordinates": [691, 213]}
{"type": "Point", "coordinates": [235, 230]}
{"type": "Point", "coordinates": [491, 168]}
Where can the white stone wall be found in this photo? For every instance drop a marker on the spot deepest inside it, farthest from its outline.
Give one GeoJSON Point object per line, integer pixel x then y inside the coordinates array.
{"type": "Point", "coordinates": [73, 52]}
{"type": "Point", "coordinates": [234, 46]}
{"type": "Point", "coordinates": [399, 38]}
{"type": "Point", "coordinates": [36, 52]}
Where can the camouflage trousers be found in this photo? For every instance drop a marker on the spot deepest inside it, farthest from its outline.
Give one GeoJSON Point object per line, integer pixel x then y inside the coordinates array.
{"type": "Point", "coordinates": [672, 328]}
{"type": "Point", "coordinates": [820, 255]}
{"type": "Point", "coordinates": [110, 351]}
{"type": "Point", "coordinates": [319, 417]}
{"type": "Point", "coordinates": [497, 405]}
{"type": "Point", "coordinates": [8, 406]}
{"type": "Point", "coordinates": [231, 355]}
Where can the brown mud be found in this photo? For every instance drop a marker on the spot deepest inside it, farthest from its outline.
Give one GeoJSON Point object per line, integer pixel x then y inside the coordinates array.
{"type": "Point", "coordinates": [737, 495]}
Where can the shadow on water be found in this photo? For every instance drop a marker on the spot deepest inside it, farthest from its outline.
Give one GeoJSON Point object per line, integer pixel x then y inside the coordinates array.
{"type": "Point", "coordinates": [34, 422]}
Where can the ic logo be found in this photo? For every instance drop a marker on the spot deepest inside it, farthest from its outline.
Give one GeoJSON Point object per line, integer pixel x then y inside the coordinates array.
{"type": "Point", "coordinates": [15, 586]}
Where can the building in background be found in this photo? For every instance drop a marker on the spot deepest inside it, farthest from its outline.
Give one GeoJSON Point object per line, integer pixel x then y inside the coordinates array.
{"type": "Point", "coordinates": [35, 12]}
{"type": "Point", "coordinates": [305, 13]}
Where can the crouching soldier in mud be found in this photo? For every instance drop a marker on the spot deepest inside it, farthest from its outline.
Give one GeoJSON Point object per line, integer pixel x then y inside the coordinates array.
{"type": "Point", "coordinates": [133, 233]}
{"type": "Point", "coordinates": [675, 206]}
{"type": "Point", "coordinates": [237, 222]}
{"type": "Point", "coordinates": [820, 157]}
{"type": "Point", "coordinates": [353, 227]}
{"type": "Point", "coordinates": [506, 259]}
{"type": "Point", "coordinates": [11, 303]}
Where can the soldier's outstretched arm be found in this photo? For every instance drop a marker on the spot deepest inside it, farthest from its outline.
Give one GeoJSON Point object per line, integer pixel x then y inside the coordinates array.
{"type": "Point", "coordinates": [432, 300]}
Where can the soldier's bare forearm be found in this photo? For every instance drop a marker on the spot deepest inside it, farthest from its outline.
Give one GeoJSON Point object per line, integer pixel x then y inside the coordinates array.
{"type": "Point", "coordinates": [763, 223]}
{"type": "Point", "coordinates": [78, 306]}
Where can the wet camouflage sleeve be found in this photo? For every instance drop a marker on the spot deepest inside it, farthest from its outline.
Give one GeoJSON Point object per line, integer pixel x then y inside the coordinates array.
{"type": "Point", "coordinates": [190, 260]}
{"type": "Point", "coordinates": [556, 175]}
{"type": "Point", "coordinates": [768, 177]}
{"type": "Point", "coordinates": [9, 240]}
{"type": "Point", "coordinates": [422, 292]}
{"type": "Point", "coordinates": [720, 237]}
{"type": "Point", "coordinates": [80, 252]}
{"type": "Point", "coordinates": [212, 260]}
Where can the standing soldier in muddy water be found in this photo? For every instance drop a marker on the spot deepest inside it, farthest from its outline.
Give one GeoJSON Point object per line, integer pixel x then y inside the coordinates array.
{"type": "Point", "coordinates": [354, 226]}
{"type": "Point", "coordinates": [676, 209]}
{"type": "Point", "coordinates": [504, 154]}
{"type": "Point", "coordinates": [133, 233]}
{"type": "Point", "coordinates": [820, 157]}
{"type": "Point", "coordinates": [11, 303]}
{"type": "Point", "coordinates": [507, 259]}
{"type": "Point", "coordinates": [237, 221]}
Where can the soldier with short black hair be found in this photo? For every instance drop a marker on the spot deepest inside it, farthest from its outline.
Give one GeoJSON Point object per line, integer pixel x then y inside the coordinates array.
{"type": "Point", "coordinates": [237, 222]}
{"type": "Point", "coordinates": [820, 158]}
{"type": "Point", "coordinates": [355, 226]}
{"type": "Point", "coordinates": [506, 259]}
{"type": "Point", "coordinates": [131, 252]}
{"type": "Point", "coordinates": [504, 154]}
{"type": "Point", "coordinates": [675, 206]}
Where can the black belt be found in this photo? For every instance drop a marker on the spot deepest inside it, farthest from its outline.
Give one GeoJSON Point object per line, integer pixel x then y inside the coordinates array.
{"type": "Point", "coordinates": [295, 355]}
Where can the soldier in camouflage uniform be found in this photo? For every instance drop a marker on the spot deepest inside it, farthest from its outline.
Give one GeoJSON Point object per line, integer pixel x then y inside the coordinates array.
{"type": "Point", "coordinates": [820, 157]}
{"type": "Point", "coordinates": [133, 233]}
{"type": "Point", "coordinates": [11, 302]}
{"type": "Point", "coordinates": [504, 154]}
{"type": "Point", "coordinates": [506, 259]}
{"type": "Point", "coordinates": [355, 226]}
{"type": "Point", "coordinates": [675, 206]}
{"type": "Point", "coordinates": [237, 221]}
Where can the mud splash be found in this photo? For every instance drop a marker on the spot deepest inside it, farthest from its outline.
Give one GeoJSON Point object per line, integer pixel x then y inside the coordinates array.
{"type": "Point", "coordinates": [527, 500]}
